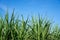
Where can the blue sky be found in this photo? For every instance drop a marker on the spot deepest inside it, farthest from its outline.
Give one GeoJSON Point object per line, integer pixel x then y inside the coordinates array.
{"type": "Point", "coordinates": [49, 8]}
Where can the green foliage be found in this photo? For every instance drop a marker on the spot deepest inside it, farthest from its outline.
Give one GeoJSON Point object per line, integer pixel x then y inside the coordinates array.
{"type": "Point", "coordinates": [35, 29]}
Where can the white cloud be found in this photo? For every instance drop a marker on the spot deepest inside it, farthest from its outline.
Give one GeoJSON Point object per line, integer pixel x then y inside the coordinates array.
{"type": "Point", "coordinates": [3, 7]}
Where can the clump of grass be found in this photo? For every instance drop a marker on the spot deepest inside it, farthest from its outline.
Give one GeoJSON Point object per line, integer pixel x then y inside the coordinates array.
{"type": "Point", "coordinates": [35, 29]}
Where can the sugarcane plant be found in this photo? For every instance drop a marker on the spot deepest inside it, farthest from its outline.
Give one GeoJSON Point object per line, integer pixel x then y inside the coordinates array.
{"type": "Point", "coordinates": [34, 29]}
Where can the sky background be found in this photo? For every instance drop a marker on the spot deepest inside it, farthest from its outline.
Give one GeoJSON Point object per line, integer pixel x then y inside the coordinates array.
{"type": "Point", "coordinates": [49, 8]}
